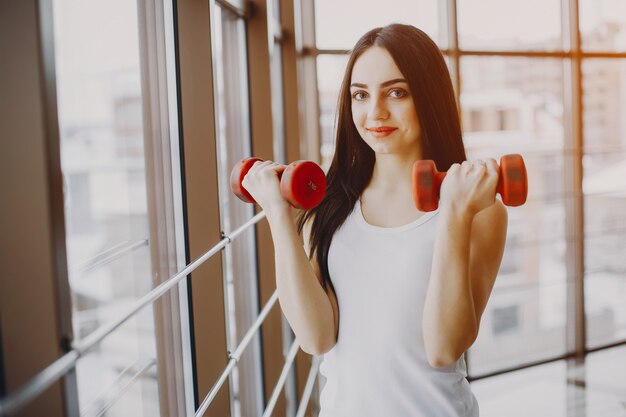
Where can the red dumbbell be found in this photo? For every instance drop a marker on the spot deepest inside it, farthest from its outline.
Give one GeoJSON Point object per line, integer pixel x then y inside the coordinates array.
{"type": "Point", "coordinates": [512, 185]}
{"type": "Point", "coordinates": [302, 183]}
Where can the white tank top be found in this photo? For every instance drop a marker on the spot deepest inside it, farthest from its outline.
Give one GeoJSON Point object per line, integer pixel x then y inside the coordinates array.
{"type": "Point", "coordinates": [378, 366]}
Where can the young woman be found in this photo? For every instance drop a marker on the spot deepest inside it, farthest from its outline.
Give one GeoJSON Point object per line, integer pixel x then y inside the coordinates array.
{"type": "Point", "coordinates": [391, 296]}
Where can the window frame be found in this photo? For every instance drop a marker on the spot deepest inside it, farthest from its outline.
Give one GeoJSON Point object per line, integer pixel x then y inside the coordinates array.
{"type": "Point", "coordinates": [572, 56]}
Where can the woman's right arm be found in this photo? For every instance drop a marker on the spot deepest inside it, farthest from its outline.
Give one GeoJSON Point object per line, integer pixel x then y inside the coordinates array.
{"type": "Point", "coordinates": [311, 312]}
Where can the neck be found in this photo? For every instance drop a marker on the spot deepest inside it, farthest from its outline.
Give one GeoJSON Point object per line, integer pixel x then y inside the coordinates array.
{"type": "Point", "coordinates": [393, 172]}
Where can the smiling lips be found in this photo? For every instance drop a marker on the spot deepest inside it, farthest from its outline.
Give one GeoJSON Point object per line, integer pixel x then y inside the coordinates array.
{"type": "Point", "coordinates": [381, 132]}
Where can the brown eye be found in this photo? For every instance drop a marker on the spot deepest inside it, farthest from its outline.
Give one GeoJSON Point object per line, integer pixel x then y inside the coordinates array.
{"type": "Point", "coordinates": [359, 95]}
{"type": "Point", "coordinates": [398, 93]}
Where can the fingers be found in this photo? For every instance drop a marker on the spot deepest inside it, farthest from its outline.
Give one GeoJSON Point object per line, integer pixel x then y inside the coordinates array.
{"type": "Point", "coordinates": [492, 167]}
{"type": "Point", "coordinates": [488, 166]}
{"type": "Point", "coordinates": [262, 165]}
{"type": "Point", "coordinates": [454, 167]}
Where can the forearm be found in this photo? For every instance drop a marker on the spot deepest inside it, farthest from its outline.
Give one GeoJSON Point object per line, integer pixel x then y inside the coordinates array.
{"type": "Point", "coordinates": [449, 321]}
{"type": "Point", "coordinates": [302, 298]}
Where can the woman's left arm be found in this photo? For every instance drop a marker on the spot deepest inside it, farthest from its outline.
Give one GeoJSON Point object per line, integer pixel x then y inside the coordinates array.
{"type": "Point", "coordinates": [468, 250]}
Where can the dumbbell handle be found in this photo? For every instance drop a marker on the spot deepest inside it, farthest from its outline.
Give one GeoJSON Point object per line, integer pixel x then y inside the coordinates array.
{"type": "Point", "coordinates": [512, 182]}
{"type": "Point", "coordinates": [439, 176]}
{"type": "Point", "coordinates": [303, 183]}
{"type": "Point", "coordinates": [237, 175]}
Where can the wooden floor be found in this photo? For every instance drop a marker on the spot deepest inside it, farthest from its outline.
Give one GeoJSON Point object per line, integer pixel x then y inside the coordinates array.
{"type": "Point", "coordinates": [560, 389]}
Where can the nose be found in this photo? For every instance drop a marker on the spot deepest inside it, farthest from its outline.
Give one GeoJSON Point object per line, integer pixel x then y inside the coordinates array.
{"type": "Point", "coordinates": [377, 110]}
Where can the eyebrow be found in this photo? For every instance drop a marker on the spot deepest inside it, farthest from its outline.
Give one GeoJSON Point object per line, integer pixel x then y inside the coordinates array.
{"type": "Point", "coordinates": [385, 84]}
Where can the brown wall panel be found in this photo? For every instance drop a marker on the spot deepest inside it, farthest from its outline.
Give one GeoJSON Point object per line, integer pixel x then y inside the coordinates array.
{"type": "Point", "coordinates": [201, 205]}
{"type": "Point", "coordinates": [262, 134]}
{"type": "Point", "coordinates": [34, 313]}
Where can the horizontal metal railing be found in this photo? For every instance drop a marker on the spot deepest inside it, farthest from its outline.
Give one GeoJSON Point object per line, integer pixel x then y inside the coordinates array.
{"type": "Point", "coordinates": [108, 256]}
{"type": "Point", "coordinates": [308, 387]}
{"type": "Point", "coordinates": [107, 399]}
{"type": "Point", "coordinates": [289, 360]}
{"type": "Point", "coordinates": [56, 370]}
{"type": "Point", "coordinates": [293, 350]}
{"type": "Point", "coordinates": [236, 355]}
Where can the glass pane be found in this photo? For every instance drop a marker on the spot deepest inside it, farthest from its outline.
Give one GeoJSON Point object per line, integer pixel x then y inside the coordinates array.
{"type": "Point", "coordinates": [604, 104]}
{"type": "Point", "coordinates": [605, 240]}
{"type": "Point", "coordinates": [605, 310]}
{"type": "Point", "coordinates": [512, 102]}
{"type": "Point", "coordinates": [339, 24]}
{"type": "Point", "coordinates": [524, 321]}
{"type": "Point", "coordinates": [605, 382]}
{"type": "Point", "coordinates": [604, 252]}
{"type": "Point", "coordinates": [603, 25]}
{"type": "Point", "coordinates": [604, 187]}
{"type": "Point", "coordinates": [515, 105]}
{"type": "Point", "coordinates": [509, 24]}
{"type": "Point", "coordinates": [537, 391]}
{"type": "Point", "coordinates": [558, 389]}
{"type": "Point", "coordinates": [100, 117]}
{"type": "Point", "coordinates": [330, 70]}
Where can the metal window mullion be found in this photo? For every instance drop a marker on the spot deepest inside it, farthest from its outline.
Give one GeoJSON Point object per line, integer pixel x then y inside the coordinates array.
{"type": "Point", "coordinates": [223, 108]}
{"type": "Point", "coordinates": [177, 210]}
{"type": "Point", "coordinates": [453, 48]}
{"type": "Point", "coordinates": [217, 57]}
{"type": "Point", "coordinates": [276, 87]}
{"type": "Point", "coordinates": [574, 255]}
{"type": "Point", "coordinates": [274, 35]}
{"type": "Point", "coordinates": [233, 142]}
{"type": "Point", "coordinates": [252, 384]}
{"type": "Point", "coordinates": [239, 8]}
{"type": "Point", "coordinates": [159, 109]}
{"type": "Point", "coordinates": [308, 107]}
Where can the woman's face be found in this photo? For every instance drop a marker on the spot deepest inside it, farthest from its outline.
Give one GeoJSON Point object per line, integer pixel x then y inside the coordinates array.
{"type": "Point", "coordinates": [382, 106]}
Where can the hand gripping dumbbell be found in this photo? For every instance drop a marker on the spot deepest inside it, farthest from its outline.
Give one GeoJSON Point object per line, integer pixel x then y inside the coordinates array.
{"type": "Point", "coordinates": [302, 183]}
{"type": "Point", "coordinates": [512, 185]}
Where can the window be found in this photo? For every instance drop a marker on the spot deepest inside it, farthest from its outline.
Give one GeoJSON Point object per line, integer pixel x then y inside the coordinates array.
{"type": "Point", "coordinates": [505, 320]}
{"type": "Point", "coordinates": [517, 96]}
{"type": "Point", "coordinates": [506, 25]}
{"type": "Point", "coordinates": [338, 25]}
{"type": "Point", "coordinates": [603, 25]}
{"type": "Point", "coordinates": [100, 105]}
{"type": "Point", "coordinates": [604, 187]}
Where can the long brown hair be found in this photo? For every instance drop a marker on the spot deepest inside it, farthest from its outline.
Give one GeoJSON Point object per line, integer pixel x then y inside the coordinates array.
{"type": "Point", "coordinates": [421, 63]}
